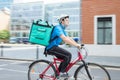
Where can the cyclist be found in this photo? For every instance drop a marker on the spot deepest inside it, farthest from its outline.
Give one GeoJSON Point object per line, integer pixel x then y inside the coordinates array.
{"type": "Point", "coordinates": [54, 49]}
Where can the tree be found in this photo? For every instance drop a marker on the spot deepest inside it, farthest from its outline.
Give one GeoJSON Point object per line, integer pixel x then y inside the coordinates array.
{"type": "Point", "coordinates": [4, 35]}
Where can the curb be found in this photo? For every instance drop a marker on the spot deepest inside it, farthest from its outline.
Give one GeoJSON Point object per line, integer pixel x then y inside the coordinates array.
{"type": "Point", "coordinates": [30, 60]}
{"type": "Point", "coordinates": [110, 66]}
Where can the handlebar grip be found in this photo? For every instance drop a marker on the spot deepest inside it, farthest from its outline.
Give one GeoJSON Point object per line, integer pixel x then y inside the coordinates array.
{"type": "Point", "coordinates": [82, 45]}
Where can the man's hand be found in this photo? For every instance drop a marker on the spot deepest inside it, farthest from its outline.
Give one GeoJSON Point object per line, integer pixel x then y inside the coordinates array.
{"type": "Point", "coordinates": [78, 46]}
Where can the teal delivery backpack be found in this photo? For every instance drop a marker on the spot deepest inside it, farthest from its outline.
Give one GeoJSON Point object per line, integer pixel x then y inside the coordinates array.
{"type": "Point", "coordinates": [40, 32]}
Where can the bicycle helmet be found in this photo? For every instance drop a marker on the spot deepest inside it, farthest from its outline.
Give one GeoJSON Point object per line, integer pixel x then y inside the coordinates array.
{"type": "Point", "coordinates": [62, 16]}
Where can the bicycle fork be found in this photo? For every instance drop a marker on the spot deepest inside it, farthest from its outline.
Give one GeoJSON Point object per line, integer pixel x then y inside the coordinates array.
{"type": "Point", "coordinates": [86, 68]}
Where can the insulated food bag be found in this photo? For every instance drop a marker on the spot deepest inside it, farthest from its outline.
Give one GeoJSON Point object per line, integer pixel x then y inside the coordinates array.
{"type": "Point", "coordinates": [40, 32]}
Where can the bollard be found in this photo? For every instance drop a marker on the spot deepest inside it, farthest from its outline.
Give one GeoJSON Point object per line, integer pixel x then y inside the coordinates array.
{"type": "Point", "coordinates": [37, 52]}
{"type": "Point", "coordinates": [1, 50]}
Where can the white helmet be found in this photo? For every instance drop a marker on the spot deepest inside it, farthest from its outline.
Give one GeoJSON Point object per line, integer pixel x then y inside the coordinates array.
{"type": "Point", "coordinates": [62, 16]}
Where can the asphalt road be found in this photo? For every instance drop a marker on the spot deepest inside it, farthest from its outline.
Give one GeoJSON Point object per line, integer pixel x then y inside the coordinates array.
{"type": "Point", "coordinates": [17, 70]}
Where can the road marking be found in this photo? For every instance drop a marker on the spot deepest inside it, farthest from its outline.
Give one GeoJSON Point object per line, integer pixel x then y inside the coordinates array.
{"type": "Point", "coordinates": [15, 62]}
{"type": "Point", "coordinates": [3, 65]}
{"type": "Point", "coordinates": [1, 69]}
{"type": "Point", "coordinates": [13, 70]}
{"type": "Point", "coordinates": [11, 62]}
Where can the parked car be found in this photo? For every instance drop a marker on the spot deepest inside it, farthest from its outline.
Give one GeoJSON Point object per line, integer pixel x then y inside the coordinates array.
{"type": "Point", "coordinates": [13, 40]}
{"type": "Point", "coordinates": [25, 40]}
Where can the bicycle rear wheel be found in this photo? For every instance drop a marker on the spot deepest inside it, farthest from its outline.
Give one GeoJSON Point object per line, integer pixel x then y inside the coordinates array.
{"type": "Point", "coordinates": [41, 70]}
{"type": "Point", "coordinates": [97, 72]}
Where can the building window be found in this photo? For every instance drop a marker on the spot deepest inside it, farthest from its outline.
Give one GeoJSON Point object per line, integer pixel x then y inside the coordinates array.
{"type": "Point", "coordinates": [104, 30]}
{"type": "Point", "coordinates": [73, 33]}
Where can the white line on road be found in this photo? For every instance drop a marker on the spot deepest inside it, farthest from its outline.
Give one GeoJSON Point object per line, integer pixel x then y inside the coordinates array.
{"type": "Point", "coordinates": [1, 69]}
{"type": "Point", "coordinates": [13, 70]}
{"type": "Point", "coordinates": [15, 62]}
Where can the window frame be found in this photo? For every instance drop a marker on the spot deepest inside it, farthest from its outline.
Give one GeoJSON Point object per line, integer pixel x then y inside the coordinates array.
{"type": "Point", "coordinates": [113, 28]}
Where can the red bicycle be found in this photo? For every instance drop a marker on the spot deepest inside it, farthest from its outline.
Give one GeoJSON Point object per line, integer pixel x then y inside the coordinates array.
{"type": "Point", "coordinates": [48, 70]}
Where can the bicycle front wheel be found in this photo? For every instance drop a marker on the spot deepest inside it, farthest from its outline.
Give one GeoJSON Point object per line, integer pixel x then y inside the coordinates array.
{"type": "Point", "coordinates": [96, 71]}
{"type": "Point", "coordinates": [41, 70]}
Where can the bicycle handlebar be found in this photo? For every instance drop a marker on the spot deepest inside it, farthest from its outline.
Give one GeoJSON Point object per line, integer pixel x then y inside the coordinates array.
{"type": "Point", "coordinates": [85, 53]}
{"type": "Point", "coordinates": [82, 46]}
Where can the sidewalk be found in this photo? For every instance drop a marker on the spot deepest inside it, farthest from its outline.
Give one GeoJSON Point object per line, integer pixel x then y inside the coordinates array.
{"type": "Point", "coordinates": [105, 60]}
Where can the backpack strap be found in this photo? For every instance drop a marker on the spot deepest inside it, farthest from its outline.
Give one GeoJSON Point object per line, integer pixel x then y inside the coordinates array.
{"type": "Point", "coordinates": [53, 39]}
{"type": "Point", "coordinates": [45, 51]}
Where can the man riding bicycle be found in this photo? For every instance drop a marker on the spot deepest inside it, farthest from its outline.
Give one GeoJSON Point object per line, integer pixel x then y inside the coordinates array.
{"type": "Point", "coordinates": [54, 49]}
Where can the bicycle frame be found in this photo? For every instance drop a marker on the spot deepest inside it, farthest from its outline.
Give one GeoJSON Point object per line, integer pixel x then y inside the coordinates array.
{"type": "Point", "coordinates": [55, 60]}
{"type": "Point", "coordinates": [79, 58]}
{"type": "Point", "coordinates": [55, 67]}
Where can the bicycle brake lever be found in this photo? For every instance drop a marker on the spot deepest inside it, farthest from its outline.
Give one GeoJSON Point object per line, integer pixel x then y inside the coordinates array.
{"type": "Point", "coordinates": [82, 45]}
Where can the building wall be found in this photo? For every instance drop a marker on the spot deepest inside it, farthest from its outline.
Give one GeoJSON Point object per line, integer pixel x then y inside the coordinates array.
{"type": "Point", "coordinates": [5, 6]}
{"type": "Point", "coordinates": [91, 8]}
{"type": "Point", "coordinates": [5, 3]}
{"type": "Point", "coordinates": [4, 20]}
{"type": "Point", "coordinates": [22, 16]}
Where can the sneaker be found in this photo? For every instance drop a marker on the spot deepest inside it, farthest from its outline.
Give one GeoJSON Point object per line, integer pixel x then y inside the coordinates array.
{"type": "Point", "coordinates": [64, 75]}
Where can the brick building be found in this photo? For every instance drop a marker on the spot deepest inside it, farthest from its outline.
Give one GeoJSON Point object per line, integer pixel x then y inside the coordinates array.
{"type": "Point", "coordinates": [100, 22]}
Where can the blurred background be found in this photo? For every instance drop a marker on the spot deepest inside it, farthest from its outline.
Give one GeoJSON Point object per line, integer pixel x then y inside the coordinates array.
{"type": "Point", "coordinates": [16, 17]}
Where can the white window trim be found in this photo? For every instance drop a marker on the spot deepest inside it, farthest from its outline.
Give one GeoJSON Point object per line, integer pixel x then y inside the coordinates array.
{"type": "Point", "coordinates": [113, 27]}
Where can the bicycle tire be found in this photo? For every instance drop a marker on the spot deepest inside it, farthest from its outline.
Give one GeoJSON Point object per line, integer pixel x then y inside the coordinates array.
{"type": "Point", "coordinates": [37, 67]}
{"type": "Point", "coordinates": [97, 72]}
